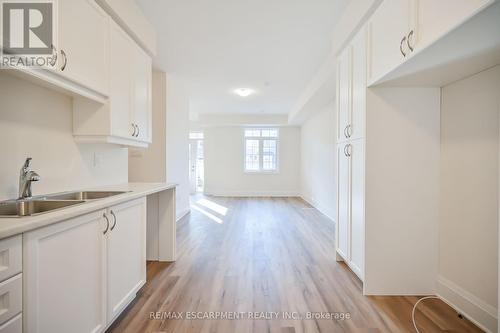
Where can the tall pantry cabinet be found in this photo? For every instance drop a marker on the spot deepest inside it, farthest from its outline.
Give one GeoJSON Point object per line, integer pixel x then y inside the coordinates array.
{"type": "Point", "coordinates": [387, 178]}
{"type": "Point", "coordinates": [351, 88]}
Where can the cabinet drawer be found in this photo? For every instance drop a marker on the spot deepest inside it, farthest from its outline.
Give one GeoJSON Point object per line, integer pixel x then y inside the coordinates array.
{"type": "Point", "coordinates": [15, 325]}
{"type": "Point", "coordinates": [11, 297]}
{"type": "Point", "coordinates": [11, 257]}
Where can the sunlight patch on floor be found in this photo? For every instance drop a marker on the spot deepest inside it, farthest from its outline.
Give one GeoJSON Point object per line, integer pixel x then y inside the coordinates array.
{"type": "Point", "coordinates": [207, 214]}
{"type": "Point", "coordinates": [221, 210]}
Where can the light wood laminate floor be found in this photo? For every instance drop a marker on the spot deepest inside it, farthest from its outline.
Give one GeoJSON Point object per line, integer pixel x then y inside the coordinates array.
{"type": "Point", "coordinates": [267, 255]}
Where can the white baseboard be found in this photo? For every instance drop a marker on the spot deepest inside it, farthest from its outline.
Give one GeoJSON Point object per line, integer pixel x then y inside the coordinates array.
{"type": "Point", "coordinates": [253, 193]}
{"type": "Point", "coordinates": [320, 208]}
{"type": "Point", "coordinates": [476, 310]}
{"type": "Point", "coordinates": [181, 214]}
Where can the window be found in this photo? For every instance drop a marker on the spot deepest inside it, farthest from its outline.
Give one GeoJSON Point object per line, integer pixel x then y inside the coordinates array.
{"type": "Point", "coordinates": [261, 149]}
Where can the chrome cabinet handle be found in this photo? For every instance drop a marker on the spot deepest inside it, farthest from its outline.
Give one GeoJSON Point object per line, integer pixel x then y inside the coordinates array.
{"type": "Point", "coordinates": [401, 46]}
{"type": "Point", "coordinates": [138, 131]}
{"type": "Point", "coordinates": [114, 220]}
{"type": "Point", "coordinates": [348, 131]}
{"type": "Point", "coordinates": [53, 59]}
{"type": "Point", "coordinates": [347, 149]}
{"type": "Point", "coordinates": [134, 129]}
{"type": "Point", "coordinates": [107, 224]}
{"type": "Point", "coordinates": [410, 36]}
{"type": "Point", "coordinates": [63, 67]}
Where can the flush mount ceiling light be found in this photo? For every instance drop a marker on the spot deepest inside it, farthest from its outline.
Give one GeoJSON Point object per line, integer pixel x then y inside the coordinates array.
{"type": "Point", "coordinates": [243, 92]}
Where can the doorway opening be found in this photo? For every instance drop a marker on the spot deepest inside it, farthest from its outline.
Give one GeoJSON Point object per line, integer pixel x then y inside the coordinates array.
{"type": "Point", "coordinates": [196, 162]}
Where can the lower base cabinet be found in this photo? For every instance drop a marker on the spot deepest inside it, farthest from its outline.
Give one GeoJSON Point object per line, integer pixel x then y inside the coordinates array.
{"type": "Point", "coordinates": [126, 255]}
{"type": "Point", "coordinates": [15, 325]}
{"type": "Point", "coordinates": [79, 274]}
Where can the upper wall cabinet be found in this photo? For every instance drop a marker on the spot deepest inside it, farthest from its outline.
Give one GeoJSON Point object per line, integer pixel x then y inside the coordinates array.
{"type": "Point", "coordinates": [436, 18]}
{"type": "Point", "coordinates": [81, 48]}
{"type": "Point", "coordinates": [400, 29]}
{"type": "Point", "coordinates": [130, 81]}
{"type": "Point", "coordinates": [142, 107]}
{"type": "Point", "coordinates": [126, 118]}
{"type": "Point", "coordinates": [83, 36]}
{"type": "Point", "coordinates": [388, 31]}
{"type": "Point", "coordinates": [120, 99]}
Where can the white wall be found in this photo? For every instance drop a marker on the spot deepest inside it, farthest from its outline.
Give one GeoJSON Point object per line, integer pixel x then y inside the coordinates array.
{"type": "Point", "coordinates": [177, 133]}
{"type": "Point", "coordinates": [468, 235]}
{"type": "Point", "coordinates": [224, 168]}
{"type": "Point", "coordinates": [167, 158]}
{"type": "Point", "coordinates": [402, 190]}
{"type": "Point", "coordinates": [318, 161]}
{"type": "Point", "coordinates": [37, 122]}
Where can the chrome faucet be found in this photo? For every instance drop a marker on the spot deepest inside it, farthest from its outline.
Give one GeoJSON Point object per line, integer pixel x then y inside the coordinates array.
{"type": "Point", "coordinates": [26, 176]}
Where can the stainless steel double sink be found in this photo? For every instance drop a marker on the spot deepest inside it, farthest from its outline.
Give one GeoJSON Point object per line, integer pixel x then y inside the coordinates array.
{"type": "Point", "coordinates": [48, 203]}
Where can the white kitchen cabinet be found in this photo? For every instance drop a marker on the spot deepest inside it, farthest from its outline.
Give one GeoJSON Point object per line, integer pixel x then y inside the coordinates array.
{"type": "Point", "coordinates": [357, 213]}
{"type": "Point", "coordinates": [344, 94]}
{"type": "Point", "coordinates": [80, 274]}
{"type": "Point", "coordinates": [343, 197]}
{"type": "Point", "coordinates": [126, 118]}
{"type": "Point", "coordinates": [436, 18]}
{"type": "Point", "coordinates": [121, 81]}
{"type": "Point", "coordinates": [81, 48]}
{"type": "Point", "coordinates": [142, 115]}
{"type": "Point", "coordinates": [358, 86]}
{"type": "Point", "coordinates": [64, 276]}
{"type": "Point", "coordinates": [83, 44]}
{"type": "Point", "coordinates": [388, 30]}
{"type": "Point", "coordinates": [11, 298]}
{"type": "Point", "coordinates": [350, 156]}
{"type": "Point", "coordinates": [351, 89]}
{"type": "Point", "coordinates": [15, 325]}
{"type": "Point", "coordinates": [350, 229]}
{"type": "Point", "coordinates": [11, 257]}
{"type": "Point", "coordinates": [130, 97]}
{"type": "Point", "coordinates": [125, 254]}
{"type": "Point", "coordinates": [400, 29]}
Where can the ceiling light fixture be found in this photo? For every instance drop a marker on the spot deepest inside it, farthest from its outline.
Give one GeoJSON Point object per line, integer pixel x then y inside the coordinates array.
{"type": "Point", "coordinates": [243, 92]}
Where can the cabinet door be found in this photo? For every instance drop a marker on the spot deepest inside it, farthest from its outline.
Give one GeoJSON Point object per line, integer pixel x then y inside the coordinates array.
{"type": "Point", "coordinates": [343, 209]}
{"type": "Point", "coordinates": [126, 254]}
{"type": "Point", "coordinates": [343, 94]}
{"type": "Point", "coordinates": [64, 276]}
{"type": "Point", "coordinates": [358, 49]}
{"type": "Point", "coordinates": [83, 35]}
{"type": "Point", "coordinates": [142, 94]}
{"type": "Point", "coordinates": [357, 228]}
{"type": "Point", "coordinates": [121, 85]}
{"type": "Point", "coordinates": [436, 18]}
{"type": "Point", "coordinates": [387, 28]}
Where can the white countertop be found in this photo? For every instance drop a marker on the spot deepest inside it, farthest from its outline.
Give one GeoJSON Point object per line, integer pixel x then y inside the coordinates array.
{"type": "Point", "coordinates": [10, 226]}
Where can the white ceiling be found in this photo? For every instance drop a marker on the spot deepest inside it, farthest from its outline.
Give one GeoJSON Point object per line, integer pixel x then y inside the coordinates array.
{"type": "Point", "coordinates": [272, 46]}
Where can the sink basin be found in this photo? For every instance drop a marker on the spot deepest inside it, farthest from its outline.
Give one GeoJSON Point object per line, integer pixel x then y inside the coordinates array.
{"type": "Point", "coordinates": [33, 207]}
{"type": "Point", "coordinates": [85, 195]}
{"type": "Point", "coordinates": [50, 202]}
